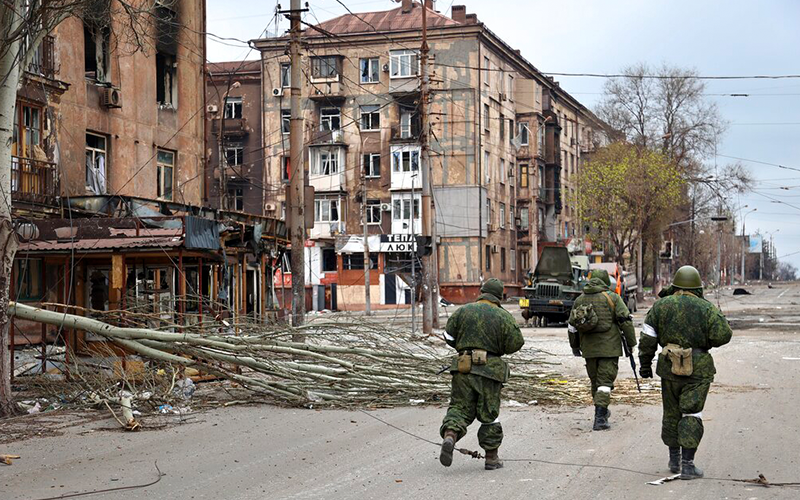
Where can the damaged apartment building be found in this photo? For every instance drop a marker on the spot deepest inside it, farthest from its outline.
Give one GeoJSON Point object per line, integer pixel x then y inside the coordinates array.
{"type": "Point", "coordinates": [506, 144]}
{"type": "Point", "coordinates": [108, 180]}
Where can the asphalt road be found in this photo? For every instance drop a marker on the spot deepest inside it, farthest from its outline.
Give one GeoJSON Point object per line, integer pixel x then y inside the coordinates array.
{"type": "Point", "coordinates": [752, 422]}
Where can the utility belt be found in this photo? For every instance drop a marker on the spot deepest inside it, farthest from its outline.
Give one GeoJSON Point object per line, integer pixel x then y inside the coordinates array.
{"type": "Point", "coordinates": [680, 358]}
{"type": "Point", "coordinates": [469, 357]}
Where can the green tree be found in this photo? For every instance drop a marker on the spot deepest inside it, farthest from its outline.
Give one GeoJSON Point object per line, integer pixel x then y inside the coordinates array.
{"type": "Point", "coordinates": [627, 191]}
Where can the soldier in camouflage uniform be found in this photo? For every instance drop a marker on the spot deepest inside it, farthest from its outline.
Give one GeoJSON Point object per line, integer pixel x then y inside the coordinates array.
{"type": "Point", "coordinates": [483, 326]}
{"type": "Point", "coordinates": [601, 346]}
{"type": "Point", "coordinates": [686, 325]}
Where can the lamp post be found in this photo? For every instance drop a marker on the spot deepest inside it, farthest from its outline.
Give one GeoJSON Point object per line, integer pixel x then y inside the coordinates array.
{"type": "Point", "coordinates": [744, 241]}
{"type": "Point", "coordinates": [770, 249]}
{"type": "Point", "coordinates": [720, 219]}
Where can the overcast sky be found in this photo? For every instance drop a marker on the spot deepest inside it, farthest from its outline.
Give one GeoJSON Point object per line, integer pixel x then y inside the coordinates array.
{"type": "Point", "coordinates": [716, 37]}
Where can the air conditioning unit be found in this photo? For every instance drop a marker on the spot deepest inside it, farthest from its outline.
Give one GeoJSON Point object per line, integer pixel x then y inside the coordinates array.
{"type": "Point", "coordinates": [495, 249]}
{"type": "Point", "coordinates": [277, 92]}
{"type": "Point", "coordinates": [386, 207]}
{"type": "Point", "coordinates": [337, 135]}
{"type": "Point", "coordinates": [111, 97]}
{"type": "Point", "coordinates": [385, 68]}
{"type": "Point", "coordinates": [212, 108]}
{"type": "Point", "coordinates": [270, 207]}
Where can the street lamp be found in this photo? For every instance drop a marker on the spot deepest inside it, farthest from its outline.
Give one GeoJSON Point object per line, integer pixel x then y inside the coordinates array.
{"type": "Point", "coordinates": [744, 240]}
{"type": "Point", "coordinates": [771, 251]}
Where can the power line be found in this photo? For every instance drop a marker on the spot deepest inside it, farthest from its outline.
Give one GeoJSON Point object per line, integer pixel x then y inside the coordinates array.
{"type": "Point", "coordinates": [759, 162]}
{"type": "Point", "coordinates": [675, 77]}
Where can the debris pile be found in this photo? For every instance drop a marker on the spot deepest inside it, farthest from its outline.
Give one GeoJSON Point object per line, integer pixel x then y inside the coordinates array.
{"type": "Point", "coordinates": [340, 362]}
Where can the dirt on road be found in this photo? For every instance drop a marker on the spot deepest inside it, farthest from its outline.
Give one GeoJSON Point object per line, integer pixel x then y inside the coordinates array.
{"type": "Point", "coordinates": [752, 423]}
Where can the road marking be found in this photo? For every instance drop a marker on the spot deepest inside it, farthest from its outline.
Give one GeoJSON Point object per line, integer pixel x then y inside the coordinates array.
{"type": "Point", "coordinates": [791, 359]}
{"type": "Point", "coordinates": [783, 292]}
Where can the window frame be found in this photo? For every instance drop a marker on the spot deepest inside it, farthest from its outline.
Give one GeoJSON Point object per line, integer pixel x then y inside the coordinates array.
{"type": "Point", "coordinates": [95, 151]}
{"type": "Point", "coordinates": [369, 164]}
{"type": "Point", "coordinates": [327, 158]}
{"type": "Point", "coordinates": [238, 151]}
{"type": "Point", "coordinates": [396, 64]}
{"type": "Point", "coordinates": [332, 205]}
{"type": "Point", "coordinates": [236, 197]}
{"type": "Point", "coordinates": [371, 118]}
{"type": "Point", "coordinates": [523, 175]}
{"type": "Point", "coordinates": [286, 75]}
{"type": "Point", "coordinates": [371, 71]}
{"type": "Point", "coordinates": [400, 162]}
{"type": "Point", "coordinates": [286, 121]}
{"type": "Point", "coordinates": [233, 103]}
{"type": "Point", "coordinates": [524, 133]}
{"type": "Point", "coordinates": [317, 67]}
{"type": "Point", "coordinates": [326, 115]}
{"type": "Point", "coordinates": [502, 215]}
{"type": "Point", "coordinates": [372, 207]}
{"type": "Point", "coordinates": [161, 167]}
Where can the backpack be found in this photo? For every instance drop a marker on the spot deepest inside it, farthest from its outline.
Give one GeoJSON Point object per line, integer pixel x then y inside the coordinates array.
{"type": "Point", "coordinates": [584, 317]}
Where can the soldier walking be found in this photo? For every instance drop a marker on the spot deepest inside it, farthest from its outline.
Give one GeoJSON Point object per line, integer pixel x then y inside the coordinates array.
{"type": "Point", "coordinates": [481, 332]}
{"type": "Point", "coordinates": [594, 327]}
{"type": "Point", "coordinates": [686, 326]}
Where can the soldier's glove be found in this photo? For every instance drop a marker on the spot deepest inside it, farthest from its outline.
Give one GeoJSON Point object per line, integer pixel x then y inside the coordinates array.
{"type": "Point", "coordinates": [646, 371]}
{"type": "Point", "coordinates": [577, 353]}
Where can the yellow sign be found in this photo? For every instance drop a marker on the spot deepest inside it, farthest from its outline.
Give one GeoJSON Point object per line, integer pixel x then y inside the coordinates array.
{"type": "Point", "coordinates": [524, 303]}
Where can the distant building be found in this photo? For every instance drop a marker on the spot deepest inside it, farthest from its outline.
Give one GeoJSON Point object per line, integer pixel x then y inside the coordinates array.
{"type": "Point", "coordinates": [233, 97]}
{"type": "Point", "coordinates": [506, 142]}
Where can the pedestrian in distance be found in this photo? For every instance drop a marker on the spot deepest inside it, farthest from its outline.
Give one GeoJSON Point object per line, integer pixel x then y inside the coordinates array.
{"type": "Point", "coordinates": [686, 326]}
{"type": "Point", "coordinates": [596, 324]}
{"type": "Point", "coordinates": [481, 332]}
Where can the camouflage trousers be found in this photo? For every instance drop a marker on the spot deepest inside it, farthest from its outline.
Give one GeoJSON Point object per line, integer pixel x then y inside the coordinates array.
{"type": "Point", "coordinates": [602, 373]}
{"type": "Point", "coordinates": [683, 402]}
{"type": "Point", "coordinates": [474, 396]}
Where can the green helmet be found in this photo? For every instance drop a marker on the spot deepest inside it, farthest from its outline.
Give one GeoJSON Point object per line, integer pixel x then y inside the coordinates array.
{"type": "Point", "coordinates": [687, 277]}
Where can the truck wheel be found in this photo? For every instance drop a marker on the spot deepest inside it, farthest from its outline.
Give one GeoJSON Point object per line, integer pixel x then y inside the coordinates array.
{"type": "Point", "coordinates": [545, 322]}
{"type": "Point", "coordinates": [632, 304]}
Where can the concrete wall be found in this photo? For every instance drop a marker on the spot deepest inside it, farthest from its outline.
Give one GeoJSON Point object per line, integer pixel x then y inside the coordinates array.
{"type": "Point", "coordinates": [137, 129]}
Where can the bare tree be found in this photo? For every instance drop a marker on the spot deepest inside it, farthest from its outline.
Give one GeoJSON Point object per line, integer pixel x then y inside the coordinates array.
{"type": "Point", "coordinates": [23, 26]}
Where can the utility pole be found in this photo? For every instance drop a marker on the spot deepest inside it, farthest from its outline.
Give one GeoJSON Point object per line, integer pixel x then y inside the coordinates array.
{"type": "Point", "coordinates": [430, 302]}
{"type": "Point", "coordinates": [296, 196]}
{"type": "Point", "coordinates": [367, 262]}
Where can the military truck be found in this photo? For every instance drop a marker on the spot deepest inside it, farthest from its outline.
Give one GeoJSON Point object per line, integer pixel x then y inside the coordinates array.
{"type": "Point", "coordinates": [553, 287]}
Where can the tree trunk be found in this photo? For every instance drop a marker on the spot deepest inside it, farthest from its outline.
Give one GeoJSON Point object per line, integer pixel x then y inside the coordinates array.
{"type": "Point", "coordinates": [8, 238]}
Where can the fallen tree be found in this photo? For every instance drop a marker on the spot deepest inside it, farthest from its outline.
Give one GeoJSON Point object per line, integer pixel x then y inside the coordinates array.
{"type": "Point", "coordinates": [343, 363]}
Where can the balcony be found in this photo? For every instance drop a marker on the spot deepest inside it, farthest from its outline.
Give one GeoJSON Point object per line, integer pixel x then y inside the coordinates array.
{"type": "Point", "coordinates": [34, 181]}
{"type": "Point", "coordinates": [233, 127]}
{"type": "Point", "coordinates": [328, 137]}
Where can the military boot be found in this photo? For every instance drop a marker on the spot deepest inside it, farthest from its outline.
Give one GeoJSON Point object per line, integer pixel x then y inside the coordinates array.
{"type": "Point", "coordinates": [492, 460]}
{"type": "Point", "coordinates": [600, 419]}
{"type": "Point", "coordinates": [449, 443]}
{"type": "Point", "coordinates": [674, 459]}
{"type": "Point", "coordinates": [688, 469]}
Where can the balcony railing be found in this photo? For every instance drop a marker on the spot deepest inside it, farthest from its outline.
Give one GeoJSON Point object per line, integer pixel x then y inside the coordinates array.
{"type": "Point", "coordinates": [34, 181]}
{"type": "Point", "coordinates": [232, 127]}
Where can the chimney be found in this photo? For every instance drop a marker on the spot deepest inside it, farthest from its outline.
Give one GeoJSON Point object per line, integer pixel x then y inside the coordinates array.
{"type": "Point", "coordinates": [406, 6]}
{"type": "Point", "coordinates": [472, 18]}
{"type": "Point", "coordinates": [459, 14]}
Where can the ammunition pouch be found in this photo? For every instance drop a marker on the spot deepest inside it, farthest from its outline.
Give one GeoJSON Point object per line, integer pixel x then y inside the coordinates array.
{"type": "Point", "coordinates": [465, 362]}
{"type": "Point", "coordinates": [479, 356]}
{"type": "Point", "coordinates": [680, 358]}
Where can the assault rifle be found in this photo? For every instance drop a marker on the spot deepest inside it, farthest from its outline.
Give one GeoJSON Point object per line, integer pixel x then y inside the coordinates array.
{"type": "Point", "coordinates": [629, 355]}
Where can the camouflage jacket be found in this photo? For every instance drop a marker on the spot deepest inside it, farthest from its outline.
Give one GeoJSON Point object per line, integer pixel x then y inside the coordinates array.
{"type": "Point", "coordinates": [604, 341]}
{"type": "Point", "coordinates": [484, 325]}
{"type": "Point", "coordinates": [686, 319]}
